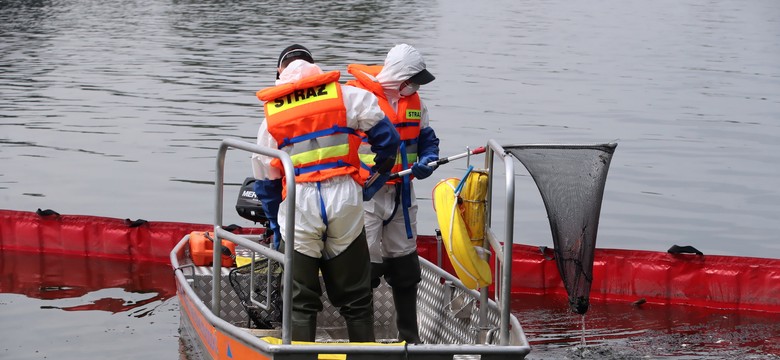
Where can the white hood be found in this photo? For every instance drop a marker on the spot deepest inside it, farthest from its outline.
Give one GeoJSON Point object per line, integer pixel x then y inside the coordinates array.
{"type": "Point", "coordinates": [402, 62]}
{"type": "Point", "coordinates": [297, 70]}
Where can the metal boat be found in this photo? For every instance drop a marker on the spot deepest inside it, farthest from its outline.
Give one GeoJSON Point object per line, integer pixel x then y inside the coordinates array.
{"type": "Point", "coordinates": [455, 322]}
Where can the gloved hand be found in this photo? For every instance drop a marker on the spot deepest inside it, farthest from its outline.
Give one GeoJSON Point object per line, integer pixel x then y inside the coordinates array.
{"type": "Point", "coordinates": [369, 190]}
{"type": "Point", "coordinates": [421, 170]}
{"type": "Point", "coordinates": [277, 234]}
{"type": "Point", "coordinates": [428, 151]}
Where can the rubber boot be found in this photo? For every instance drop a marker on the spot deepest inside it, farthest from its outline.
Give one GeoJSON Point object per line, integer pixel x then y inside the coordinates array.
{"type": "Point", "coordinates": [348, 283]}
{"type": "Point", "coordinates": [403, 274]}
{"type": "Point", "coordinates": [306, 292]}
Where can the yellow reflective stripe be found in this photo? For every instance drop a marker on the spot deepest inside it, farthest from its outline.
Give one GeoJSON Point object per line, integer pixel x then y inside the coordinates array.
{"type": "Point", "coordinates": [365, 154]}
{"type": "Point", "coordinates": [320, 154]}
{"type": "Point", "coordinates": [321, 142]}
{"type": "Point", "coordinates": [367, 159]}
{"type": "Point", "coordinates": [302, 97]}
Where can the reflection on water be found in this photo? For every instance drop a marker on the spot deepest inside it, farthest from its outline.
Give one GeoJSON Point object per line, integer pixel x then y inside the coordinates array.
{"type": "Point", "coordinates": [73, 307]}
{"type": "Point", "coordinates": [111, 300]}
{"type": "Point", "coordinates": [626, 331]}
{"type": "Point", "coordinates": [37, 329]}
{"type": "Point", "coordinates": [86, 283]}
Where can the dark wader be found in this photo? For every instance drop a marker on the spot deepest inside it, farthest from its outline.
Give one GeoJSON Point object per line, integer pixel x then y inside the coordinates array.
{"type": "Point", "coordinates": [348, 284]}
{"type": "Point", "coordinates": [403, 275]}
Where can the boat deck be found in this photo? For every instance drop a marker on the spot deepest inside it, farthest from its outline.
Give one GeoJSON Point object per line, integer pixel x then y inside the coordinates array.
{"type": "Point", "coordinates": [447, 313]}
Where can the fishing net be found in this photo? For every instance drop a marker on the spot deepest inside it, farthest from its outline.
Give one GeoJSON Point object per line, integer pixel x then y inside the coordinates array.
{"type": "Point", "coordinates": [247, 281]}
{"type": "Point", "coordinates": [571, 181]}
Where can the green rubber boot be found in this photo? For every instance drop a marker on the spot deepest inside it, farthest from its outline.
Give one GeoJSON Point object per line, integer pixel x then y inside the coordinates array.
{"type": "Point", "coordinates": [403, 274]}
{"type": "Point", "coordinates": [348, 283]}
{"type": "Point", "coordinates": [306, 292]}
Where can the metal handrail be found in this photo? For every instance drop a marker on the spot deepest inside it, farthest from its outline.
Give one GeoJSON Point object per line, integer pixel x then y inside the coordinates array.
{"type": "Point", "coordinates": [191, 300]}
{"type": "Point", "coordinates": [286, 258]}
{"type": "Point", "coordinates": [503, 254]}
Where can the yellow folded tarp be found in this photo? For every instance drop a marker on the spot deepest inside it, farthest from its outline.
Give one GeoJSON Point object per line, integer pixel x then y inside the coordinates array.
{"type": "Point", "coordinates": [470, 268]}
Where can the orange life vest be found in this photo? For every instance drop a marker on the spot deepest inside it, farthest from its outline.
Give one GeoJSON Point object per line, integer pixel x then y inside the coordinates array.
{"type": "Point", "coordinates": [406, 119]}
{"type": "Point", "coordinates": [316, 135]}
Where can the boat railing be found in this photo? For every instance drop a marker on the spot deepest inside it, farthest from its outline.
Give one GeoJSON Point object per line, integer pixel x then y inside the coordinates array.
{"type": "Point", "coordinates": [284, 258]}
{"type": "Point", "coordinates": [502, 252]}
{"type": "Point", "coordinates": [511, 343]}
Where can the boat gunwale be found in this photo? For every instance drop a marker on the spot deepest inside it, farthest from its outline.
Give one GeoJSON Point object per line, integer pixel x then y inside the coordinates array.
{"type": "Point", "coordinates": [237, 333]}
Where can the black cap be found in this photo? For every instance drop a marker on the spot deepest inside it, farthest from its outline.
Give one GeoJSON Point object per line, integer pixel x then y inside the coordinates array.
{"type": "Point", "coordinates": [423, 77]}
{"type": "Point", "coordinates": [293, 52]}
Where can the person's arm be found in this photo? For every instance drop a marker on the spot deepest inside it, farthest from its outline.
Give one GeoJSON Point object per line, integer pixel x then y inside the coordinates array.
{"type": "Point", "coordinates": [364, 113]}
{"type": "Point", "coordinates": [384, 140]}
{"type": "Point", "coordinates": [269, 192]}
{"type": "Point", "coordinates": [427, 148]}
{"type": "Point", "coordinates": [261, 164]}
{"type": "Point", "coordinates": [268, 184]}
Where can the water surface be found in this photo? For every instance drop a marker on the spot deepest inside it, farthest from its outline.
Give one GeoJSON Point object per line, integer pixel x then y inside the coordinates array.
{"type": "Point", "coordinates": [116, 108]}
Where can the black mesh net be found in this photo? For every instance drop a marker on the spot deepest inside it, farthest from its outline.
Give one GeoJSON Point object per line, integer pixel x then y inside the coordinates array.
{"type": "Point", "coordinates": [265, 271]}
{"type": "Point", "coordinates": [571, 181]}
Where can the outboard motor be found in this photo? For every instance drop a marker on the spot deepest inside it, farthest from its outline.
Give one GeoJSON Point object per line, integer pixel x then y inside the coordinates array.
{"type": "Point", "coordinates": [248, 205]}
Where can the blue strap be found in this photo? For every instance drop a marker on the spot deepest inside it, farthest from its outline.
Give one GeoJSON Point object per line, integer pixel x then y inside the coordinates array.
{"type": "Point", "coordinates": [407, 124]}
{"type": "Point", "coordinates": [463, 180]}
{"type": "Point", "coordinates": [408, 224]}
{"type": "Point", "coordinates": [406, 180]}
{"type": "Point", "coordinates": [395, 204]}
{"type": "Point", "coordinates": [323, 214]}
{"type": "Point", "coordinates": [325, 132]}
{"type": "Point", "coordinates": [317, 167]}
{"type": "Point", "coordinates": [399, 192]}
{"type": "Point", "coordinates": [406, 195]}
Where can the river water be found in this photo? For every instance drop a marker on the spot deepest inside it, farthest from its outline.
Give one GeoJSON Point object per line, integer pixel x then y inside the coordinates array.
{"type": "Point", "coordinates": [116, 108]}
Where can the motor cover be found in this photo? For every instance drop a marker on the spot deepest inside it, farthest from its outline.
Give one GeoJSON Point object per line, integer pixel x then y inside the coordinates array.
{"type": "Point", "coordinates": [248, 205]}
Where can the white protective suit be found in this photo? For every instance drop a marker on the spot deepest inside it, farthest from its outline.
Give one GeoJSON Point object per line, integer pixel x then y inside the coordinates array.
{"type": "Point", "coordinates": [342, 196]}
{"type": "Point", "coordinates": [390, 240]}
